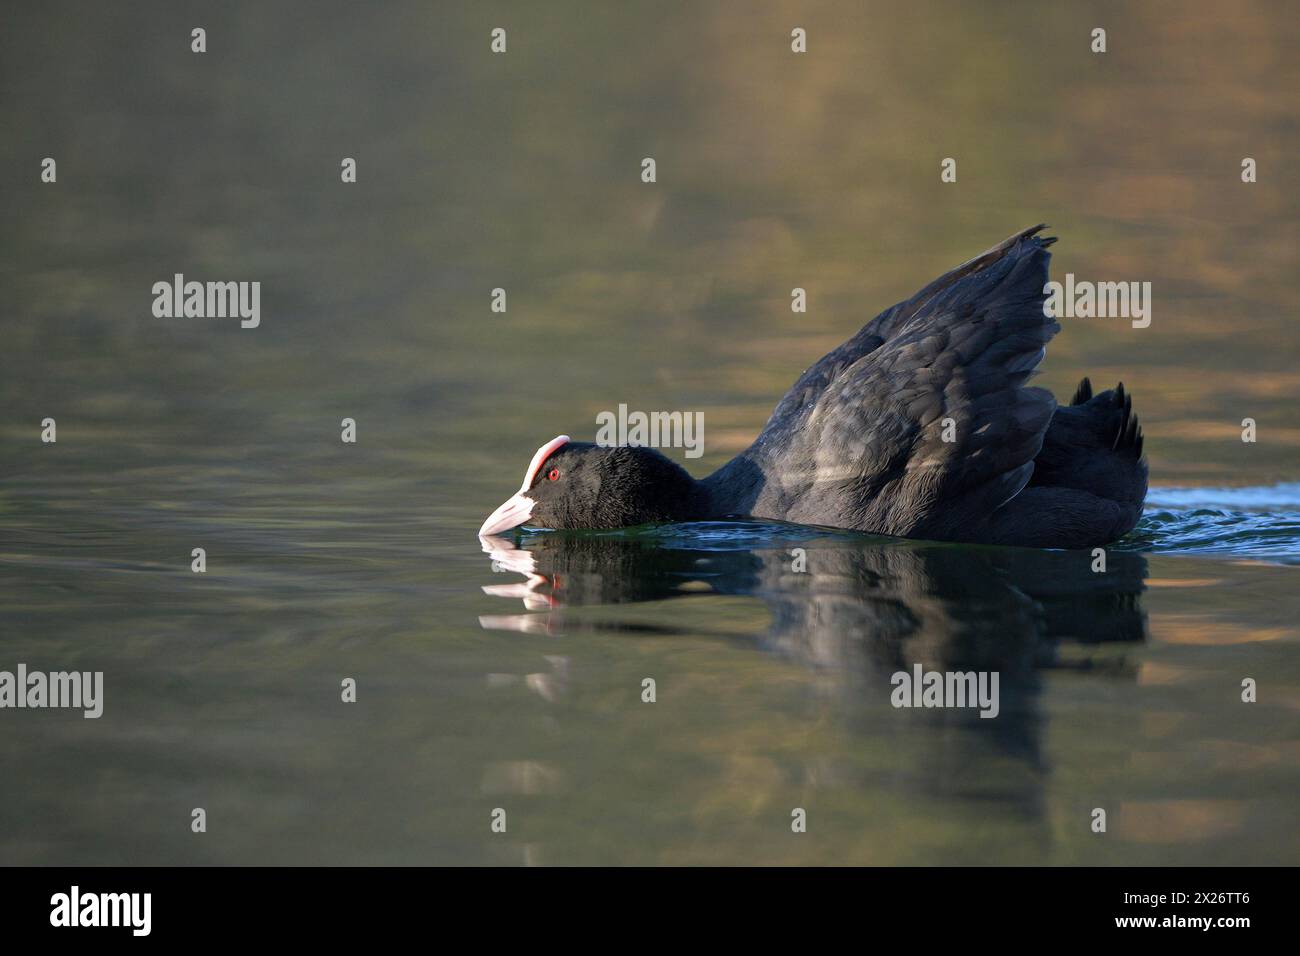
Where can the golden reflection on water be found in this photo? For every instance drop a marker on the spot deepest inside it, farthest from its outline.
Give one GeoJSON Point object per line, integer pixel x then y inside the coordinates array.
{"type": "Point", "coordinates": [1176, 628]}
{"type": "Point", "coordinates": [1178, 821]}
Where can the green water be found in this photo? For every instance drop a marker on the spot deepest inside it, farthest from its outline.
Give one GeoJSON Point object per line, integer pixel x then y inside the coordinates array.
{"type": "Point", "coordinates": [329, 560]}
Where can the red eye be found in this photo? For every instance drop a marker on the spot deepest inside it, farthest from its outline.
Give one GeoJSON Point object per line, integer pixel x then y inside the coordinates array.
{"type": "Point", "coordinates": [553, 474]}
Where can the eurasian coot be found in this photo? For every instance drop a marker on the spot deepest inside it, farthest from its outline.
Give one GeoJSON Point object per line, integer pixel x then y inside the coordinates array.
{"type": "Point", "coordinates": [919, 426]}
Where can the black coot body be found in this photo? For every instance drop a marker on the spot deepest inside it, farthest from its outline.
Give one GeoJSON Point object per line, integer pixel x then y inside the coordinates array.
{"type": "Point", "coordinates": [921, 426]}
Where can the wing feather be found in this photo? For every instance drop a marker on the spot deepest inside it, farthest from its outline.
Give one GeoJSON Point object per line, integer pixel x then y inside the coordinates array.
{"type": "Point", "coordinates": [932, 425]}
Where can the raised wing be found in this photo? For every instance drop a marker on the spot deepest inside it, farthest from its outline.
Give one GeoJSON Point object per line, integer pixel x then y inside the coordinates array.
{"type": "Point", "coordinates": [922, 421]}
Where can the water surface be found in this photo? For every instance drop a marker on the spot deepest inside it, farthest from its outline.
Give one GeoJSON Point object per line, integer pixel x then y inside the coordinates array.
{"type": "Point", "coordinates": [327, 560]}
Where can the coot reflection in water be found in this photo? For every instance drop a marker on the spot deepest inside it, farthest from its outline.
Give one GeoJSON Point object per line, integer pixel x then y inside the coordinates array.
{"type": "Point", "coordinates": [862, 608]}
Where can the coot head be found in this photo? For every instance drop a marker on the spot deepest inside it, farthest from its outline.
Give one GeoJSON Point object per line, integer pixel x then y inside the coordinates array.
{"type": "Point", "coordinates": [572, 484]}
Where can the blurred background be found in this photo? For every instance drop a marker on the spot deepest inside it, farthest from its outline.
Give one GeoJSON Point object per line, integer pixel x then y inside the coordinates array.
{"type": "Point", "coordinates": [522, 171]}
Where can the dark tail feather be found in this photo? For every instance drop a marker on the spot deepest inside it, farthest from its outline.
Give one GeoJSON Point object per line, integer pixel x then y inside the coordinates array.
{"type": "Point", "coordinates": [1083, 393]}
{"type": "Point", "coordinates": [1129, 435]}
